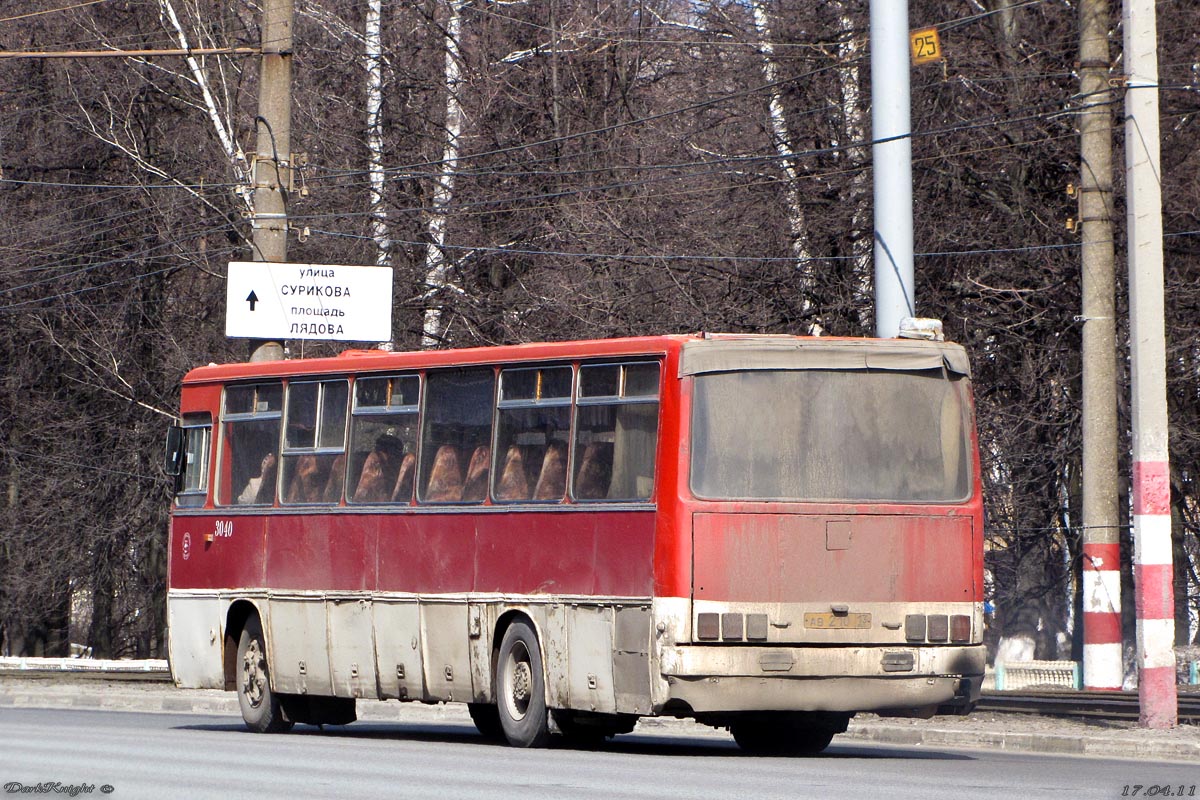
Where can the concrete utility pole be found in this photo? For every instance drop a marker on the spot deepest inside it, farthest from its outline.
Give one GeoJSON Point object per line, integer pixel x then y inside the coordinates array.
{"type": "Point", "coordinates": [1101, 567]}
{"type": "Point", "coordinates": [891, 153]}
{"type": "Point", "coordinates": [272, 165]}
{"type": "Point", "coordinates": [1152, 559]}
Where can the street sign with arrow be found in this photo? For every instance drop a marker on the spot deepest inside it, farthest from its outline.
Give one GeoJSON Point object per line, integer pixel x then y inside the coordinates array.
{"type": "Point", "coordinates": [308, 301]}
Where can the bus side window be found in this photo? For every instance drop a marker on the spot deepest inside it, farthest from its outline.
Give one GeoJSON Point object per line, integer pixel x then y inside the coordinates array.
{"type": "Point", "coordinates": [314, 460]}
{"type": "Point", "coordinates": [193, 482]}
{"type": "Point", "coordinates": [383, 439]}
{"type": "Point", "coordinates": [250, 426]}
{"type": "Point", "coordinates": [534, 429]}
{"type": "Point", "coordinates": [616, 432]}
{"type": "Point", "coordinates": [456, 435]}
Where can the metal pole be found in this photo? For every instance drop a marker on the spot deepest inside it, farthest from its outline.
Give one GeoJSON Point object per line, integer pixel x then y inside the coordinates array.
{"type": "Point", "coordinates": [272, 165]}
{"type": "Point", "coordinates": [891, 153]}
{"type": "Point", "coordinates": [1152, 559]}
{"type": "Point", "coordinates": [1101, 567]}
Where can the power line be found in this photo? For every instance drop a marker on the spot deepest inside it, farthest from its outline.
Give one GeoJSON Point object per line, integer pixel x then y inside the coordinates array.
{"type": "Point", "coordinates": [52, 10]}
{"type": "Point", "coordinates": [797, 155]}
{"type": "Point", "coordinates": [115, 53]}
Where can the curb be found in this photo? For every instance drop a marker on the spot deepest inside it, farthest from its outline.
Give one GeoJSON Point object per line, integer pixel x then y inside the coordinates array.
{"type": "Point", "coordinates": [1138, 745]}
{"type": "Point", "coordinates": [1117, 746]}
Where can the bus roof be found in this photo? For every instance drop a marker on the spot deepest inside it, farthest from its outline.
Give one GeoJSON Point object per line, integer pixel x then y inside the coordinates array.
{"type": "Point", "coordinates": [355, 361]}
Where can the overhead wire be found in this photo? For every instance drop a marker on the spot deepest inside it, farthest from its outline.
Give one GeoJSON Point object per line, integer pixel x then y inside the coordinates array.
{"type": "Point", "coordinates": [90, 267]}
{"type": "Point", "coordinates": [72, 7]}
{"type": "Point", "coordinates": [704, 163]}
{"type": "Point", "coordinates": [73, 231]}
{"type": "Point", "coordinates": [797, 155]}
{"type": "Point", "coordinates": [409, 170]}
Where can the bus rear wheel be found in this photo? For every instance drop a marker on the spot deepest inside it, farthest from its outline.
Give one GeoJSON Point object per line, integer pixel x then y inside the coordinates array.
{"type": "Point", "coordinates": [521, 688]}
{"type": "Point", "coordinates": [260, 705]}
{"type": "Point", "coordinates": [783, 735]}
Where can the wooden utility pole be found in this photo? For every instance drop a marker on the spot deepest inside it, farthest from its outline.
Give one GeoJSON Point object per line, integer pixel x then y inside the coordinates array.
{"type": "Point", "coordinates": [272, 162]}
{"type": "Point", "coordinates": [1101, 563]}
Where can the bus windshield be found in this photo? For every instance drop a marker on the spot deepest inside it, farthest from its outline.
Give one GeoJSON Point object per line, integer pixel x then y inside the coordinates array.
{"type": "Point", "coordinates": [831, 434]}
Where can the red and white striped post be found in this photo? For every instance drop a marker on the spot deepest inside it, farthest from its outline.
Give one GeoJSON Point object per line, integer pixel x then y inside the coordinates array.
{"type": "Point", "coordinates": [1102, 644]}
{"type": "Point", "coordinates": [1153, 575]}
{"type": "Point", "coordinates": [1103, 651]}
{"type": "Point", "coordinates": [1151, 468]}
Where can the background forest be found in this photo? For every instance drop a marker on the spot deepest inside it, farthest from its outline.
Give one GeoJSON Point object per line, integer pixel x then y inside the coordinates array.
{"type": "Point", "coordinates": [550, 169]}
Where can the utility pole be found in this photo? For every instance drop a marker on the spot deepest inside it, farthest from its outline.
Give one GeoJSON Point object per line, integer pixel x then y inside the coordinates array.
{"type": "Point", "coordinates": [891, 154]}
{"type": "Point", "coordinates": [1152, 558]}
{"type": "Point", "coordinates": [272, 162]}
{"type": "Point", "coordinates": [1101, 563]}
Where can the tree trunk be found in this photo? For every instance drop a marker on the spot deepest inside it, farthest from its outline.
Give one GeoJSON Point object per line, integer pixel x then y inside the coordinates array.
{"type": "Point", "coordinates": [437, 263]}
{"type": "Point", "coordinates": [375, 81]}
{"type": "Point", "coordinates": [782, 143]}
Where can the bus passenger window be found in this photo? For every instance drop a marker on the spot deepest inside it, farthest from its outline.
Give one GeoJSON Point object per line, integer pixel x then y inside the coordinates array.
{"type": "Point", "coordinates": [383, 439]}
{"type": "Point", "coordinates": [616, 432]}
{"type": "Point", "coordinates": [250, 425]}
{"type": "Point", "coordinates": [456, 435]}
{"type": "Point", "coordinates": [193, 483]}
{"type": "Point", "coordinates": [314, 459]}
{"type": "Point", "coordinates": [534, 430]}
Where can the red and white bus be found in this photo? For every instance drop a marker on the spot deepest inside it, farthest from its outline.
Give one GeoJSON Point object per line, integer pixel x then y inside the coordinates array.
{"type": "Point", "coordinates": [764, 533]}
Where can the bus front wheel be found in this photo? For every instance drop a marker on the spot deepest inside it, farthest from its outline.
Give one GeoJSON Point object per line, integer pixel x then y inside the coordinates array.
{"type": "Point", "coordinates": [521, 688]}
{"type": "Point", "coordinates": [260, 705]}
{"type": "Point", "coordinates": [487, 720]}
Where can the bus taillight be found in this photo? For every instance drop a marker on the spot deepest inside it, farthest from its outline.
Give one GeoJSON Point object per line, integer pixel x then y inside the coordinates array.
{"type": "Point", "coordinates": [960, 628]}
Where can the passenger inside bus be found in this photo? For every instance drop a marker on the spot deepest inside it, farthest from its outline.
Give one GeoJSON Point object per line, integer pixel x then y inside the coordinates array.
{"type": "Point", "coordinates": [260, 489]}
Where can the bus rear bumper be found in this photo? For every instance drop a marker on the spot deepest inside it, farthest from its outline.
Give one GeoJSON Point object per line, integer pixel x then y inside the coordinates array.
{"type": "Point", "coordinates": [894, 681]}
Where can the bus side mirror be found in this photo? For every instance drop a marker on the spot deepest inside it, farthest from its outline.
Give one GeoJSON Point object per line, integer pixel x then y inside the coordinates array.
{"type": "Point", "coordinates": [176, 453]}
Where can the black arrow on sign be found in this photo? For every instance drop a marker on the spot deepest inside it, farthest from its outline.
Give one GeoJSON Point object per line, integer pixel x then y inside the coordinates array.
{"type": "Point", "coordinates": [252, 299]}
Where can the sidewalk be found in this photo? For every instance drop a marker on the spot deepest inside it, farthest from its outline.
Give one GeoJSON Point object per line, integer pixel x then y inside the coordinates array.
{"type": "Point", "coordinates": [1016, 732]}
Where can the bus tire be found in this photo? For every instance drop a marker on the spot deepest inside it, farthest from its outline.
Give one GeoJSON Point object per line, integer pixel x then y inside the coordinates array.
{"type": "Point", "coordinates": [260, 705]}
{"type": "Point", "coordinates": [521, 688]}
{"type": "Point", "coordinates": [487, 720]}
{"type": "Point", "coordinates": [783, 735]}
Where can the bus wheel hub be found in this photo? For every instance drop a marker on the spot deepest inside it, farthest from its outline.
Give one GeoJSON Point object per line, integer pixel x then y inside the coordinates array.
{"type": "Point", "coordinates": [253, 677]}
{"type": "Point", "coordinates": [521, 682]}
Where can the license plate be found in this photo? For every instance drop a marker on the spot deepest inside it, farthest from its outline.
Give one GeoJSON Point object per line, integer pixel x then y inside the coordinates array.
{"type": "Point", "coordinates": [831, 621]}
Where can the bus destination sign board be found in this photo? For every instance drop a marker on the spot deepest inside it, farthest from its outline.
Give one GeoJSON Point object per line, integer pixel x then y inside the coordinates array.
{"type": "Point", "coordinates": [308, 301]}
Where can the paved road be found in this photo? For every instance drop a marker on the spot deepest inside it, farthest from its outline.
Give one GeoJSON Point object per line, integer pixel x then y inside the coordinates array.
{"type": "Point", "coordinates": [164, 755]}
